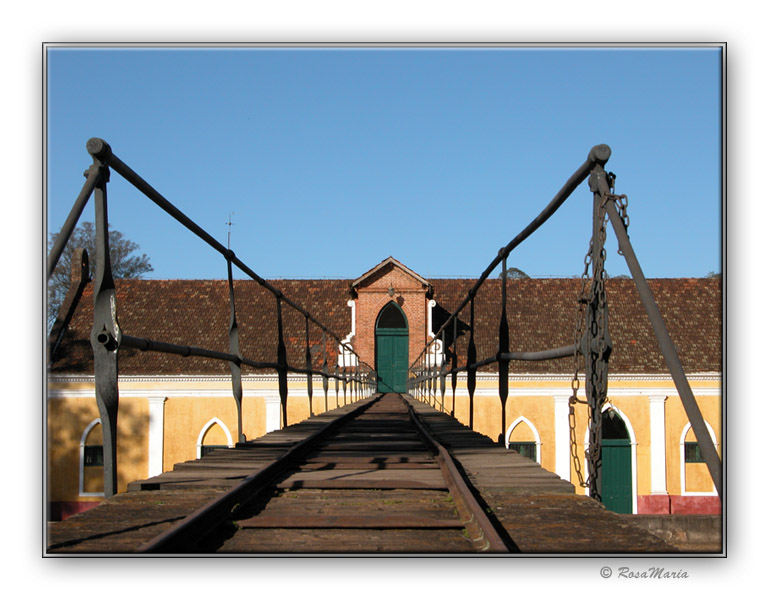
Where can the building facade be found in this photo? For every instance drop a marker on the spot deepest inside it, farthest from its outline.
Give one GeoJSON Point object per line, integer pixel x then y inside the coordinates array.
{"type": "Point", "coordinates": [174, 409]}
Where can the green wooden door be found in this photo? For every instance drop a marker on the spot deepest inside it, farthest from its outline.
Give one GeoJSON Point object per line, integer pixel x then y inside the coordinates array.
{"type": "Point", "coordinates": [392, 349]}
{"type": "Point", "coordinates": [617, 492]}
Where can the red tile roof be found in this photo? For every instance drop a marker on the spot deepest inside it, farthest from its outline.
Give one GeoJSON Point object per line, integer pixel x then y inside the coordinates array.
{"type": "Point", "coordinates": [197, 313]}
{"type": "Point", "coordinates": [541, 313]}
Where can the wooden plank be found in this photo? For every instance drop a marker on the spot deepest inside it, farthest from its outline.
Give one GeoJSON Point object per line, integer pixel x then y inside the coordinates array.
{"type": "Point", "coordinates": [347, 541]}
{"type": "Point", "coordinates": [308, 521]}
{"type": "Point", "coordinates": [327, 466]}
{"type": "Point", "coordinates": [361, 484]}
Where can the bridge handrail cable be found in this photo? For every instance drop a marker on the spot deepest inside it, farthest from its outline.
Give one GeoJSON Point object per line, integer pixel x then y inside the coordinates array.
{"type": "Point", "coordinates": [595, 343]}
{"type": "Point", "coordinates": [107, 337]}
{"type": "Point", "coordinates": [597, 155]}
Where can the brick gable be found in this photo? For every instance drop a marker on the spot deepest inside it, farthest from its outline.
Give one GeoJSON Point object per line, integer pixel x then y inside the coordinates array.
{"type": "Point", "coordinates": [409, 290]}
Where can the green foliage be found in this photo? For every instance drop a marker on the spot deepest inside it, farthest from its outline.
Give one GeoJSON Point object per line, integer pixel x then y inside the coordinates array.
{"type": "Point", "coordinates": [515, 273]}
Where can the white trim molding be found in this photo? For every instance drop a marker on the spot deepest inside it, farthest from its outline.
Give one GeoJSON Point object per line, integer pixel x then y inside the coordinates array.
{"type": "Point", "coordinates": [344, 351]}
{"type": "Point", "coordinates": [633, 453]}
{"type": "Point", "coordinates": [204, 430]}
{"type": "Point", "coordinates": [271, 411]}
{"type": "Point", "coordinates": [537, 438]}
{"type": "Point", "coordinates": [562, 437]}
{"type": "Point", "coordinates": [565, 378]}
{"type": "Point", "coordinates": [81, 482]}
{"type": "Point", "coordinates": [682, 454]}
{"type": "Point", "coordinates": [657, 444]}
{"type": "Point", "coordinates": [155, 437]}
{"type": "Point", "coordinates": [433, 358]}
{"type": "Point", "coordinates": [614, 392]}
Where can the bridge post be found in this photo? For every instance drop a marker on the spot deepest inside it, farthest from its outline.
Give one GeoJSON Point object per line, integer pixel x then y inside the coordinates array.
{"type": "Point", "coordinates": [308, 359]}
{"type": "Point", "coordinates": [105, 334]}
{"type": "Point", "coordinates": [336, 382]}
{"type": "Point", "coordinates": [443, 370]}
{"type": "Point", "coordinates": [596, 344]}
{"type": "Point", "coordinates": [454, 369]}
{"type": "Point", "coordinates": [325, 370]}
{"type": "Point", "coordinates": [503, 348]}
{"type": "Point", "coordinates": [282, 365]}
{"type": "Point", "coordinates": [471, 358]}
{"type": "Point", "coordinates": [235, 371]}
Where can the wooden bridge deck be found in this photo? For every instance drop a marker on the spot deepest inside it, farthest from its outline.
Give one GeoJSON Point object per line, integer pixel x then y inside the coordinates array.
{"type": "Point", "coordinates": [537, 510]}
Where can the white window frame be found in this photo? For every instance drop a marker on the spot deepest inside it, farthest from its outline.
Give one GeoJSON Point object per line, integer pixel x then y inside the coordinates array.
{"type": "Point", "coordinates": [537, 438]}
{"type": "Point", "coordinates": [204, 431]}
{"type": "Point", "coordinates": [682, 455]}
{"type": "Point", "coordinates": [81, 483]}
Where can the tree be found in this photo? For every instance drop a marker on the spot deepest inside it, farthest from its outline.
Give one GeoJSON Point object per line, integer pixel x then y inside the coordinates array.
{"type": "Point", "coordinates": [514, 273]}
{"type": "Point", "coordinates": [125, 265]}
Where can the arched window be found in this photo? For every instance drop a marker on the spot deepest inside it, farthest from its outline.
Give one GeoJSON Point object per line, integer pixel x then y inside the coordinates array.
{"type": "Point", "coordinates": [391, 317]}
{"type": "Point", "coordinates": [91, 471]}
{"type": "Point", "coordinates": [695, 477]}
{"type": "Point", "coordinates": [613, 426]}
{"type": "Point", "coordinates": [213, 435]}
{"type": "Point", "coordinates": [523, 437]}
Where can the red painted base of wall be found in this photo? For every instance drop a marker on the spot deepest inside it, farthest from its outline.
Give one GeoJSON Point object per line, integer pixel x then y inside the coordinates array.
{"type": "Point", "coordinates": [658, 504]}
{"type": "Point", "coordinates": [695, 505]}
{"type": "Point", "coordinates": [58, 511]}
{"type": "Point", "coordinates": [661, 504]}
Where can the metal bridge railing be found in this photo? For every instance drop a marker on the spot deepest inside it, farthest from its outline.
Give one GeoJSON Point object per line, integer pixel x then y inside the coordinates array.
{"type": "Point", "coordinates": [592, 342]}
{"type": "Point", "coordinates": [107, 338]}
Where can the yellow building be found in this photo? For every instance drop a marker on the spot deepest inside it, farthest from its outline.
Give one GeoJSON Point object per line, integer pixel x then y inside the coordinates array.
{"type": "Point", "coordinates": [175, 408]}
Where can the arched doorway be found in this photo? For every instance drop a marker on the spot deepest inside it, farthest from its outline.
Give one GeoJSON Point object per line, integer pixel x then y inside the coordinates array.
{"type": "Point", "coordinates": [524, 438]}
{"type": "Point", "coordinates": [213, 435]}
{"type": "Point", "coordinates": [616, 464]}
{"type": "Point", "coordinates": [392, 349]}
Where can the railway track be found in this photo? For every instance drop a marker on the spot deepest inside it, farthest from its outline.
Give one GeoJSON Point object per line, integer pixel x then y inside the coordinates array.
{"type": "Point", "coordinates": [373, 480]}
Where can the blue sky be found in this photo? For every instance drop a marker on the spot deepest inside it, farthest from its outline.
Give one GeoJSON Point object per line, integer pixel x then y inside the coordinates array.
{"type": "Point", "coordinates": [331, 160]}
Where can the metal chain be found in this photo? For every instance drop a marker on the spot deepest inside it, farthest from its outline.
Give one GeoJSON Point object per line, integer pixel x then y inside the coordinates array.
{"type": "Point", "coordinates": [582, 301]}
{"type": "Point", "coordinates": [620, 201]}
{"type": "Point", "coordinates": [597, 295]}
{"type": "Point", "coordinates": [599, 329]}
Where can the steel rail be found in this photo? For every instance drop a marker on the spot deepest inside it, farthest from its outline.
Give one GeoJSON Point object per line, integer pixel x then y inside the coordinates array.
{"type": "Point", "coordinates": [183, 536]}
{"type": "Point", "coordinates": [476, 520]}
{"type": "Point", "coordinates": [101, 149]}
{"type": "Point", "coordinates": [562, 352]}
{"type": "Point", "coordinates": [553, 353]}
{"type": "Point", "coordinates": [149, 345]}
{"type": "Point", "coordinates": [598, 155]}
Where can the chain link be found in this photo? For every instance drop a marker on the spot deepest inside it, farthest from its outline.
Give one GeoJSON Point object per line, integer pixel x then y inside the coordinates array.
{"type": "Point", "coordinates": [582, 301]}
{"type": "Point", "coordinates": [593, 295]}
